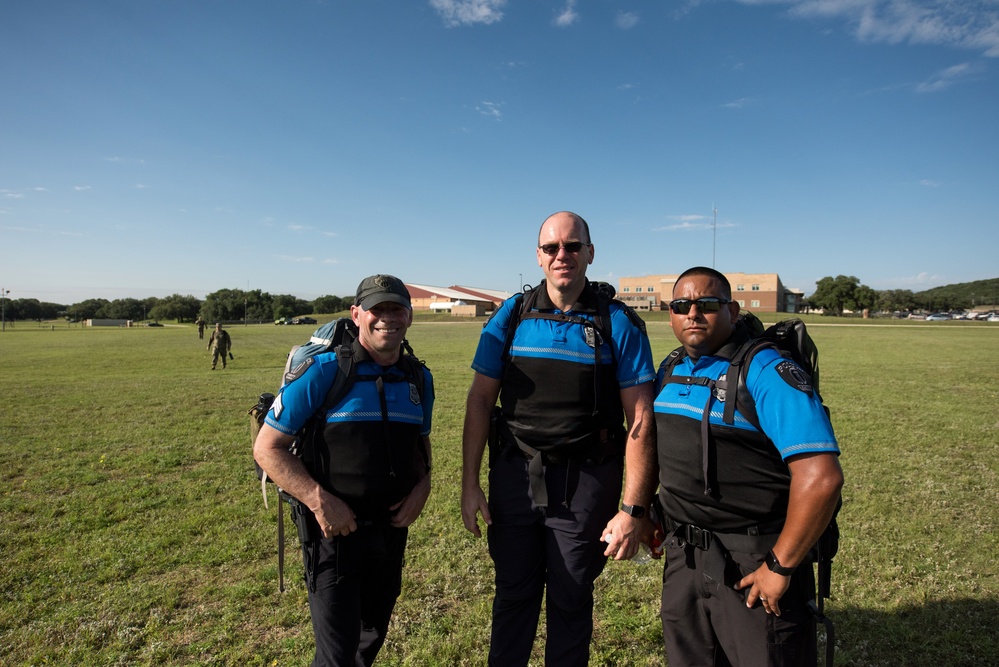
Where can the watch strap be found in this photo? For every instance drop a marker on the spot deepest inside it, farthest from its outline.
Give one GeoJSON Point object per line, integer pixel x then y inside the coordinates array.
{"type": "Point", "coordinates": [774, 564]}
{"type": "Point", "coordinates": [635, 511]}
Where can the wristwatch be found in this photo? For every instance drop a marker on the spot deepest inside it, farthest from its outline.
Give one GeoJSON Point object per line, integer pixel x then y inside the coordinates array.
{"type": "Point", "coordinates": [636, 511]}
{"type": "Point", "coordinates": [775, 566]}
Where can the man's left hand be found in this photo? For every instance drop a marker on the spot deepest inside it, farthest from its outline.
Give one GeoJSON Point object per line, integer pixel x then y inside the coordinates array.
{"type": "Point", "coordinates": [407, 510]}
{"type": "Point", "coordinates": [766, 586]}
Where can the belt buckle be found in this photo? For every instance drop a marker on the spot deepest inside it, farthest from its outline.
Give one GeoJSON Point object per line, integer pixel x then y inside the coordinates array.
{"type": "Point", "coordinates": [698, 537]}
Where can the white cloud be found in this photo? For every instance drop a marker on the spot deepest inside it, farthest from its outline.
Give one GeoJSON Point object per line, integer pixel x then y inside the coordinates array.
{"type": "Point", "coordinates": [626, 20]}
{"type": "Point", "coordinates": [692, 222]}
{"type": "Point", "coordinates": [81, 188]}
{"type": "Point", "coordinates": [968, 24]}
{"type": "Point", "coordinates": [946, 78]}
{"type": "Point", "coordinates": [739, 103]}
{"type": "Point", "coordinates": [469, 12]}
{"type": "Point", "coordinates": [567, 16]}
{"type": "Point", "coordinates": [490, 109]}
{"type": "Point", "coordinates": [927, 183]}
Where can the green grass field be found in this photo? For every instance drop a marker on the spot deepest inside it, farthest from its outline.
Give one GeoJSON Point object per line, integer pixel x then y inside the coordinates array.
{"type": "Point", "coordinates": [133, 531]}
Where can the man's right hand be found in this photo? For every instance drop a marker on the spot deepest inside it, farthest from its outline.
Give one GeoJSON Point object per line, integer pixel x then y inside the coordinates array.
{"type": "Point", "coordinates": [473, 502]}
{"type": "Point", "coordinates": [334, 516]}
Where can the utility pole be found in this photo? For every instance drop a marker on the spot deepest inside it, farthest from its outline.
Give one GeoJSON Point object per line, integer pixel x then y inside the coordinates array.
{"type": "Point", "coordinates": [3, 306]}
{"type": "Point", "coordinates": [714, 234]}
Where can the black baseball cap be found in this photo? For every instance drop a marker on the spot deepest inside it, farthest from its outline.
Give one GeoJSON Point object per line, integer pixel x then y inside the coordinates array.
{"type": "Point", "coordinates": [379, 289]}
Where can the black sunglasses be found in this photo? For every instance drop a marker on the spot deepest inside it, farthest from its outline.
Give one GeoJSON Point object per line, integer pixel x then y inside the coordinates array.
{"type": "Point", "coordinates": [706, 304]}
{"type": "Point", "coordinates": [571, 247]}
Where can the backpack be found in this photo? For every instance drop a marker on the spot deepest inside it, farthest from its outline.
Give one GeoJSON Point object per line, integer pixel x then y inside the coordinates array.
{"type": "Point", "coordinates": [791, 339]}
{"type": "Point", "coordinates": [340, 337]}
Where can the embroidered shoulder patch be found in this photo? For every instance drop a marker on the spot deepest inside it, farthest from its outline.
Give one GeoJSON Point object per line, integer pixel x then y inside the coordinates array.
{"type": "Point", "coordinates": [792, 374]}
{"type": "Point", "coordinates": [299, 370]}
{"type": "Point", "coordinates": [414, 394]}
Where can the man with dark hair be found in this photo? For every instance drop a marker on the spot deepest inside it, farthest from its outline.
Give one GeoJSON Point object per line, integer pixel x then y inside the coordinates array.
{"type": "Point", "coordinates": [743, 506]}
{"type": "Point", "coordinates": [364, 475]}
{"type": "Point", "coordinates": [569, 365]}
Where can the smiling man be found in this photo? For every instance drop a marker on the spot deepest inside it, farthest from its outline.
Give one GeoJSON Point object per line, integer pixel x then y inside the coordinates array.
{"type": "Point", "coordinates": [364, 472]}
{"type": "Point", "coordinates": [569, 366]}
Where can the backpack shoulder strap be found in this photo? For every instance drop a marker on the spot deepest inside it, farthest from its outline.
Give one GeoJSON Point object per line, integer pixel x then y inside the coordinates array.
{"type": "Point", "coordinates": [523, 302]}
{"type": "Point", "coordinates": [666, 367]}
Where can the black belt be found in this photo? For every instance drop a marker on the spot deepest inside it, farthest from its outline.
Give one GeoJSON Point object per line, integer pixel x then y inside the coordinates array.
{"type": "Point", "coordinates": [758, 539]}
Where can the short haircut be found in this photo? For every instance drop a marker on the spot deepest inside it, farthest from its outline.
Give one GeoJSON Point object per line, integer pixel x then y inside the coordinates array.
{"type": "Point", "coordinates": [710, 273]}
{"type": "Point", "coordinates": [574, 216]}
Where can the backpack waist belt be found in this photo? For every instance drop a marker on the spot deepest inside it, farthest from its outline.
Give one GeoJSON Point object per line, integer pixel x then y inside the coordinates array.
{"type": "Point", "coordinates": [758, 539]}
{"type": "Point", "coordinates": [607, 450]}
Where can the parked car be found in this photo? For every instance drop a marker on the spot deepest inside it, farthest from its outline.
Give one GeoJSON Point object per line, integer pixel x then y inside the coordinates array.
{"type": "Point", "coordinates": [937, 317]}
{"type": "Point", "coordinates": [281, 320]}
{"type": "Point", "coordinates": [304, 320]}
{"type": "Point", "coordinates": [994, 317]}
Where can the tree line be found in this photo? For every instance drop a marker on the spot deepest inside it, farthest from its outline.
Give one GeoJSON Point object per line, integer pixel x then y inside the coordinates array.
{"type": "Point", "coordinates": [225, 305]}
{"type": "Point", "coordinates": [842, 293]}
{"type": "Point", "coordinates": [832, 295]}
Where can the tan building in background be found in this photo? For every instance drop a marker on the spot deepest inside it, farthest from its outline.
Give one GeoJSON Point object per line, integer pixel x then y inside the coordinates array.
{"type": "Point", "coordinates": [758, 292]}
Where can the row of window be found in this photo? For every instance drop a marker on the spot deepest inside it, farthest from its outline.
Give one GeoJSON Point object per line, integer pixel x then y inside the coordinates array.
{"type": "Point", "coordinates": [738, 288]}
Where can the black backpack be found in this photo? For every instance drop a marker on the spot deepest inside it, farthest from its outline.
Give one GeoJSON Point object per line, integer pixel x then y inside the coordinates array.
{"type": "Point", "coordinates": [339, 336]}
{"type": "Point", "coordinates": [791, 339]}
{"type": "Point", "coordinates": [597, 330]}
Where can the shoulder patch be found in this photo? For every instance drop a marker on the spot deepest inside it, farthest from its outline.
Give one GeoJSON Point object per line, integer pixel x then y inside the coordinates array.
{"type": "Point", "coordinates": [298, 370]}
{"type": "Point", "coordinates": [414, 394]}
{"type": "Point", "coordinates": [792, 374]}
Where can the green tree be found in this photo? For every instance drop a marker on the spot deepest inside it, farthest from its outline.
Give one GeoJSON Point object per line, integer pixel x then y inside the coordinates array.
{"type": "Point", "coordinates": [864, 298]}
{"type": "Point", "coordinates": [286, 305]}
{"type": "Point", "coordinates": [894, 300]}
{"type": "Point", "coordinates": [176, 307]}
{"type": "Point", "coordinates": [833, 295]}
{"type": "Point", "coordinates": [122, 309]}
{"type": "Point", "coordinates": [85, 310]}
{"type": "Point", "coordinates": [328, 305]}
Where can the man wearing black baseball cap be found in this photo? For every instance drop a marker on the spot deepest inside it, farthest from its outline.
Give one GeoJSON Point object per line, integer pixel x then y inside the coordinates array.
{"type": "Point", "coordinates": [364, 472]}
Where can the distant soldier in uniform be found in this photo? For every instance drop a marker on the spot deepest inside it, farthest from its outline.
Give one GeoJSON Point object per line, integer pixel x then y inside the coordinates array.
{"type": "Point", "coordinates": [201, 327]}
{"type": "Point", "coordinates": [220, 344]}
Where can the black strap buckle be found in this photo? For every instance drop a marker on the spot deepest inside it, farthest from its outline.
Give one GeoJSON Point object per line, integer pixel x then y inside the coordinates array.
{"type": "Point", "coordinates": [697, 537]}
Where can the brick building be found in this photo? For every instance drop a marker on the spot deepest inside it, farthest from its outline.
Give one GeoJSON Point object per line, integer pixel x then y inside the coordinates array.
{"type": "Point", "coordinates": [758, 292]}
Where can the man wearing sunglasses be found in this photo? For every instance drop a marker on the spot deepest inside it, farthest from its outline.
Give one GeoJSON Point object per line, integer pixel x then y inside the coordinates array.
{"type": "Point", "coordinates": [743, 506]}
{"type": "Point", "coordinates": [556, 448]}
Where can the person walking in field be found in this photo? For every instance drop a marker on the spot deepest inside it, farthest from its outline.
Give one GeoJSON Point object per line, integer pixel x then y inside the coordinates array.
{"type": "Point", "coordinates": [201, 327]}
{"type": "Point", "coordinates": [219, 343]}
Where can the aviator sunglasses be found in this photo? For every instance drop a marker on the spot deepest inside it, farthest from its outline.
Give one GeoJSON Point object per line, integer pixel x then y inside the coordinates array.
{"type": "Point", "coordinates": [707, 304]}
{"type": "Point", "coordinates": [571, 247]}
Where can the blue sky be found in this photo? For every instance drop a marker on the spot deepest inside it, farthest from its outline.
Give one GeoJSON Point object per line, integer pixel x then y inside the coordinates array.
{"type": "Point", "coordinates": [153, 147]}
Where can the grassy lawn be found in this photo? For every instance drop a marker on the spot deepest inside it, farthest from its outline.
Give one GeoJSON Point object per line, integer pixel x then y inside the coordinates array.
{"type": "Point", "coordinates": [133, 531]}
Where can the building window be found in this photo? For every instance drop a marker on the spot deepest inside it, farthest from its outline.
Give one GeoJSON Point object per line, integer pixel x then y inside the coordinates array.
{"type": "Point", "coordinates": [740, 288]}
{"type": "Point", "coordinates": [756, 303]}
{"type": "Point", "coordinates": [649, 289]}
{"type": "Point", "coordinates": [638, 289]}
{"type": "Point", "coordinates": [625, 289]}
{"type": "Point", "coordinates": [756, 288]}
{"type": "Point", "coordinates": [742, 303]}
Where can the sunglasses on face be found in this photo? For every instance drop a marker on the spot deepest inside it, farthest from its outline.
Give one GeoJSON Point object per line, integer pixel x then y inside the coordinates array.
{"type": "Point", "coordinates": [707, 304]}
{"type": "Point", "coordinates": [571, 247]}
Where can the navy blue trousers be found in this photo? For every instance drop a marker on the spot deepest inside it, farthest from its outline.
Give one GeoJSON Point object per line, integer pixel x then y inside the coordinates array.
{"type": "Point", "coordinates": [553, 554]}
